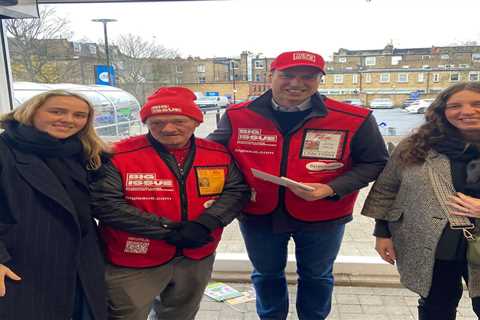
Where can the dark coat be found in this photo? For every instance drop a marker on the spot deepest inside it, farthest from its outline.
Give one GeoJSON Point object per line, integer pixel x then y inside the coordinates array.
{"type": "Point", "coordinates": [41, 241]}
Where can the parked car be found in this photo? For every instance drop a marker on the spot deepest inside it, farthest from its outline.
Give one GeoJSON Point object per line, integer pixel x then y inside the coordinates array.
{"type": "Point", "coordinates": [355, 102]}
{"type": "Point", "coordinates": [419, 106]}
{"type": "Point", "coordinates": [212, 102]}
{"type": "Point", "coordinates": [381, 103]}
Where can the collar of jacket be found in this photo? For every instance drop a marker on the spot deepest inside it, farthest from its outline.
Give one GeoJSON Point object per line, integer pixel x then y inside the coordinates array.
{"type": "Point", "coordinates": [263, 106]}
{"type": "Point", "coordinates": [170, 159]}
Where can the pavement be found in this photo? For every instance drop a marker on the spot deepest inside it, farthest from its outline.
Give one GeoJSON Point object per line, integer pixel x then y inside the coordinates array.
{"type": "Point", "coordinates": [349, 303]}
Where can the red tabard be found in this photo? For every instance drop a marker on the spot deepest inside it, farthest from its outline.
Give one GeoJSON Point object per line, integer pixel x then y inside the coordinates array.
{"type": "Point", "coordinates": [149, 185]}
{"type": "Point", "coordinates": [318, 152]}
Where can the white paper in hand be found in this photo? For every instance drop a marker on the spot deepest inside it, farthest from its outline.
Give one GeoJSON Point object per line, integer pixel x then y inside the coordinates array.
{"type": "Point", "coordinates": [282, 181]}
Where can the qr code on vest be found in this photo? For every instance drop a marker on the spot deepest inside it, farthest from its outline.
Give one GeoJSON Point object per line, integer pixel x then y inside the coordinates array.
{"type": "Point", "coordinates": [137, 246]}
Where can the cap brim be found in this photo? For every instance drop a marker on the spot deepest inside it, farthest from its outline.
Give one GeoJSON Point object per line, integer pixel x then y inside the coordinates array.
{"type": "Point", "coordinates": [288, 66]}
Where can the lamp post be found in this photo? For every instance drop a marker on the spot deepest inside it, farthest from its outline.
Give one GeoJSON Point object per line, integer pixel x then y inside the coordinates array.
{"type": "Point", "coordinates": [105, 21]}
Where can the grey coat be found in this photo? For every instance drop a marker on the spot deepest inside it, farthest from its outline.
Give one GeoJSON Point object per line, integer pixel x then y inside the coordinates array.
{"type": "Point", "coordinates": [412, 199]}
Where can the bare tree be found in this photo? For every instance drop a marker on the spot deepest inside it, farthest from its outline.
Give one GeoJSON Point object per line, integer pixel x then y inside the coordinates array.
{"type": "Point", "coordinates": [39, 48]}
{"type": "Point", "coordinates": [136, 56]}
{"type": "Point", "coordinates": [137, 61]}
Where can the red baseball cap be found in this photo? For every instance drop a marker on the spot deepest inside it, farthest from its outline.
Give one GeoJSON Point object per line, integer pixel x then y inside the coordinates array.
{"type": "Point", "coordinates": [298, 58]}
{"type": "Point", "coordinates": [172, 100]}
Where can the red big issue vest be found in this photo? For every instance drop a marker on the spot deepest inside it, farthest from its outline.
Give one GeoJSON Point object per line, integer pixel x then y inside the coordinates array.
{"type": "Point", "coordinates": [149, 185]}
{"type": "Point", "coordinates": [317, 152]}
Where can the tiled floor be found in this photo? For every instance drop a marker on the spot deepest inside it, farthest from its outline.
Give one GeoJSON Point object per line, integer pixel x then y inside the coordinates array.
{"type": "Point", "coordinates": [349, 303]}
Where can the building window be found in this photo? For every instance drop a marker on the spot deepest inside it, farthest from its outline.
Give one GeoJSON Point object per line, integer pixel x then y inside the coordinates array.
{"type": "Point", "coordinates": [444, 56]}
{"type": "Point", "coordinates": [354, 78]}
{"type": "Point", "coordinates": [338, 78]}
{"type": "Point", "coordinates": [454, 76]}
{"type": "Point", "coordinates": [342, 59]}
{"type": "Point", "coordinates": [178, 69]}
{"type": "Point", "coordinates": [92, 48]}
{"type": "Point", "coordinates": [384, 77]}
{"type": "Point", "coordinates": [370, 61]}
{"type": "Point", "coordinates": [368, 77]}
{"type": "Point", "coordinates": [396, 60]}
{"type": "Point", "coordinates": [476, 57]}
{"type": "Point", "coordinates": [426, 57]}
{"type": "Point", "coordinates": [436, 77]}
{"type": "Point", "coordinates": [473, 76]}
{"type": "Point", "coordinates": [259, 64]}
{"type": "Point", "coordinates": [421, 77]}
{"type": "Point", "coordinates": [402, 77]}
{"type": "Point", "coordinates": [234, 64]}
{"type": "Point", "coordinates": [178, 80]}
{"type": "Point", "coordinates": [201, 79]}
{"type": "Point", "coordinates": [201, 68]}
{"type": "Point", "coordinates": [77, 47]}
{"type": "Point", "coordinates": [258, 77]}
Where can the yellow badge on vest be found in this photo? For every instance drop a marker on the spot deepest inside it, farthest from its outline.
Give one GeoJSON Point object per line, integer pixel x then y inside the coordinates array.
{"type": "Point", "coordinates": [210, 180]}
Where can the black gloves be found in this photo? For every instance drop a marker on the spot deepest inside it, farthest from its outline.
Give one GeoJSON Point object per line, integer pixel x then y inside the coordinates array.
{"type": "Point", "coordinates": [190, 234]}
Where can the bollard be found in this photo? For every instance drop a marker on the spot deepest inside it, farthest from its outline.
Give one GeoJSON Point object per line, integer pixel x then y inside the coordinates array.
{"type": "Point", "coordinates": [217, 116]}
{"type": "Point", "coordinates": [391, 131]}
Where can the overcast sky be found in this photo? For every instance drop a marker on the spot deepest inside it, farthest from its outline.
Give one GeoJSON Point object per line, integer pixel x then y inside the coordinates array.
{"type": "Point", "coordinates": [225, 28]}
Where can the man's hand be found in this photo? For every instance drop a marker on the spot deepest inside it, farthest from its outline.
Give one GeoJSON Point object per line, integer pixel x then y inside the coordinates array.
{"type": "Point", "coordinates": [6, 272]}
{"type": "Point", "coordinates": [463, 205]}
{"type": "Point", "coordinates": [384, 247]}
{"type": "Point", "coordinates": [321, 191]}
{"type": "Point", "coordinates": [190, 235]}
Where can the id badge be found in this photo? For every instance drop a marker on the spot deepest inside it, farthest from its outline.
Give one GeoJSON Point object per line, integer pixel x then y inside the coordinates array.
{"type": "Point", "coordinates": [210, 180]}
{"type": "Point", "coordinates": [323, 144]}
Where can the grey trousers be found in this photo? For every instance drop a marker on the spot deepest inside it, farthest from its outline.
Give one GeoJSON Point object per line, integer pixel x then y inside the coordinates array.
{"type": "Point", "coordinates": [178, 286]}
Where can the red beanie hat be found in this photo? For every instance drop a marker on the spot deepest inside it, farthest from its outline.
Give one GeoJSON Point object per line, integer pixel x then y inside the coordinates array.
{"type": "Point", "coordinates": [172, 100]}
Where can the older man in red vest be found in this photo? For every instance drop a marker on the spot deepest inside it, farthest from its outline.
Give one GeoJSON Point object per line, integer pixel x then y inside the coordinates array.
{"type": "Point", "coordinates": [166, 197]}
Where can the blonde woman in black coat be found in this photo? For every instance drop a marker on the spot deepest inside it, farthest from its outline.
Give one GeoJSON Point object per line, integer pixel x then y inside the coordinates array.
{"type": "Point", "coordinates": [51, 267]}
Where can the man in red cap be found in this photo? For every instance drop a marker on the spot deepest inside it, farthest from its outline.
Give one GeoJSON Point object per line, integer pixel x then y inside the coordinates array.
{"type": "Point", "coordinates": [331, 147]}
{"type": "Point", "coordinates": [162, 203]}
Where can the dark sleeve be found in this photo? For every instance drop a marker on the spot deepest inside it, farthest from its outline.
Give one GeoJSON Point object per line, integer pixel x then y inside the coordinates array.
{"type": "Point", "coordinates": [230, 203]}
{"type": "Point", "coordinates": [369, 156]}
{"type": "Point", "coordinates": [381, 229]}
{"type": "Point", "coordinates": [110, 207]}
{"type": "Point", "coordinates": [223, 132]}
{"type": "Point", "coordinates": [6, 223]}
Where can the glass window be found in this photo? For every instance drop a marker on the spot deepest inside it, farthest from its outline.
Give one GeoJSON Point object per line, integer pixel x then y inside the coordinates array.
{"type": "Point", "coordinates": [402, 77]}
{"type": "Point", "coordinates": [370, 61]}
{"type": "Point", "coordinates": [338, 78]}
{"type": "Point", "coordinates": [454, 76]}
{"type": "Point", "coordinates": [473, 76]}
{"type": "Point", "coordinates": [384, 77]}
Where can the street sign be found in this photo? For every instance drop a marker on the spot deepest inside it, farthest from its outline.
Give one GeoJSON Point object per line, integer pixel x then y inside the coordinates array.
{"type": "Point", "coordinates": [101, 75]}
{"type": "Point", "coordinates": [211, 93]}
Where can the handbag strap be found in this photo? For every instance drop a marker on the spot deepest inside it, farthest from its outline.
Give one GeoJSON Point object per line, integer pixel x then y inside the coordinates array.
{"type": "Point", "coordinates": [444, 189]}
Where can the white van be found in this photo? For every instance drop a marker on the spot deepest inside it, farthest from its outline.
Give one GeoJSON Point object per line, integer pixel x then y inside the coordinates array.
{"type": "Point", "coordinates": [212, 102]}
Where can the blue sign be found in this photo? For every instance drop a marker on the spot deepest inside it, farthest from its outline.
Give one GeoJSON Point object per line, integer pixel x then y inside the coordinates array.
{"type": "Point", "coordinates": [101, 75]}
{"type": "Point", "coordinates": [415, 95]}
{"type": "Point", "coordinates": [211, 94]}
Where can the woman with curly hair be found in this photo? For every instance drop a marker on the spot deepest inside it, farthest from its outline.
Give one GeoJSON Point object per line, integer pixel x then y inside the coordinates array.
{"type": "Point", "coordinates": [420, 221]}
{"type": "Point", "coordinates": [51, 267]}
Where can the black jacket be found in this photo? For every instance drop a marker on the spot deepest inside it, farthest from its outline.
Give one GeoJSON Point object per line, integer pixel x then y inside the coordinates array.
{"type": "Point", "coordinates": [41, 241]}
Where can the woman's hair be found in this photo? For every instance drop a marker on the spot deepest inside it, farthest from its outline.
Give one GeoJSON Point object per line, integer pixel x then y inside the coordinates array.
{"type": "Point", "coordinates": [93, 146]}
{"type": "Point", "coordinates": [436, 127]}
